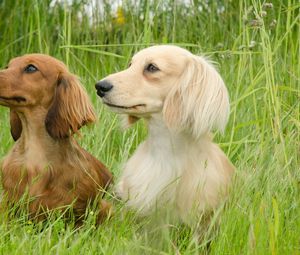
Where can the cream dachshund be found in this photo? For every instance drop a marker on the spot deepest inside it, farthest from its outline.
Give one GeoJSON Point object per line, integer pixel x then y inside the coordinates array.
{"type": "Point", "coordinates": [182, 98]}
{"type": "Point", "coordinates": [48, 106]}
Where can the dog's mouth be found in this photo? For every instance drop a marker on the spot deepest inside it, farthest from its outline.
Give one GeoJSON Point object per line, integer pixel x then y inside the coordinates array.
{"type": "Point", "coordinates": [16, 99]}
{"type": "Point", "coordinates": [124, 107]}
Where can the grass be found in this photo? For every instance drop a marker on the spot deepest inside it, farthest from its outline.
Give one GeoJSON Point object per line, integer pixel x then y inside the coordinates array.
{"type": "Point", "coordinates": [257, 49]}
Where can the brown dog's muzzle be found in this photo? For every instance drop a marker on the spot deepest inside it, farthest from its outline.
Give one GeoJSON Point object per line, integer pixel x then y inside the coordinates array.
{"type": "Point", "coordinates": [7, 95]}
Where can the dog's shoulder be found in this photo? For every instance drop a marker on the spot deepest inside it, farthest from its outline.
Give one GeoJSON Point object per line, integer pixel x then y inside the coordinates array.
{"type": "Point", "coordinates": [101, 170]}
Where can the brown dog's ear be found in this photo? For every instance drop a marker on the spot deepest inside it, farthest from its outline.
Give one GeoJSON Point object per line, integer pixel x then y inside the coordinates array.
{"type": "Point", "coordinates": [15, 125]}
{"type": "Point", "coordinates": [71, 108]}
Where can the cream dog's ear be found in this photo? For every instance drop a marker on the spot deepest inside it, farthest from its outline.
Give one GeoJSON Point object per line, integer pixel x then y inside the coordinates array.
{"type": "Point", "coordinates": [199, 101]}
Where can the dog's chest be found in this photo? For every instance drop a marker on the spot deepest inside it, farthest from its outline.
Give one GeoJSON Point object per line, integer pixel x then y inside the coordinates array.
{"type": "Point", "coordinates": [151, 177]}
{"type": "Point", "coordinates": [33, 158]}
{"type": "Point", "coordinates": [22, 168]}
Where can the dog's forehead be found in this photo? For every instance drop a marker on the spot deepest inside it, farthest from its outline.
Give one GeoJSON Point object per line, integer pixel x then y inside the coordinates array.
{"type": "Point", "coordinates": [37, 59]}
{"type": "Point", "coordinates": [163, 53]}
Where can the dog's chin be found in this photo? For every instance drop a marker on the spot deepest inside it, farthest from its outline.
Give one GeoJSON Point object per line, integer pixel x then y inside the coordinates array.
{"type": "Point", "coordinates": [12, 101]}
{"type": "Point", "coordinates": [129, 109]}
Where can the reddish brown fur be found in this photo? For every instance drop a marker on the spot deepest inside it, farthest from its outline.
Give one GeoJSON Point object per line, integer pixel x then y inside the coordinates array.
{"type": "Point", "coordinates": [16, 125]}
{"type": "Point", "coordinates": [47, 107]}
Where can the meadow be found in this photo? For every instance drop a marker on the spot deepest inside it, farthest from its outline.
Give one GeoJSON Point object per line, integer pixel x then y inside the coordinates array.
{"type": "Point", "coordinates": [256, 46]}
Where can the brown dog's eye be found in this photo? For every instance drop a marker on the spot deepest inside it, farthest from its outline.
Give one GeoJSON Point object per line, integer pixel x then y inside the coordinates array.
{"type": "Point", "coordinates": [30, 69]}
{"type": "Point", "coordinates": [151, 68]}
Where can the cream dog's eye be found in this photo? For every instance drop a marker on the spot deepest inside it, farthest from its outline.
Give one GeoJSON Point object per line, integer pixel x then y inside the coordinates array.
{"type": "Point", "coordinates": [152, 68]}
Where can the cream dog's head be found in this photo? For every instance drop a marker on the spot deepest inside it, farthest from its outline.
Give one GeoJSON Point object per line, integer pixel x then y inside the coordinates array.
{"type": "Point", "coordinates": [186, 89]}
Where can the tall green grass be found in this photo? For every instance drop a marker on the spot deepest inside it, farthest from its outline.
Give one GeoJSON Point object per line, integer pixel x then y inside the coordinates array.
{"type": "Point", "coordinates": [257, 47]}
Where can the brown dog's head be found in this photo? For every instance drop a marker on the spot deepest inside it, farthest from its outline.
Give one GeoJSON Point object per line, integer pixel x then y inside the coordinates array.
{"type": "Point", "coordinates": [42, 85]}
{"type": "Point", "coordinates": [186, 89]}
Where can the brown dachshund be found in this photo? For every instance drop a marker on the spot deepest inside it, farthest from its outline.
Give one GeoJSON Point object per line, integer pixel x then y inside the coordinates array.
{"type": "Point", "coordinates": [48, 105]}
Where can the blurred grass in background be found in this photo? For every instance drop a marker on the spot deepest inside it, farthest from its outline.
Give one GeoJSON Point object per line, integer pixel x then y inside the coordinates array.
{"type": "Point", "coordinates": [256, 45]}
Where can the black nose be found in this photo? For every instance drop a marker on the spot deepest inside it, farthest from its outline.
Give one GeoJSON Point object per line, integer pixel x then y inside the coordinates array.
{"type": "Point", "coordinates": [103, 87]}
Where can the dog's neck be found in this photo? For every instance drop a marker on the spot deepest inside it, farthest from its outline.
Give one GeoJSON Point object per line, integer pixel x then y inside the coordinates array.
{"type": "Point", "coordinates": [34, 137]}
{"type": "Point", "coordinates": [175, 142]}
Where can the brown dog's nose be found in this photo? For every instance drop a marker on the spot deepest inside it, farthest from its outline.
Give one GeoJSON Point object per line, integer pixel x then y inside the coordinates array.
{"type": "Point", "coordinates": [103, 87]}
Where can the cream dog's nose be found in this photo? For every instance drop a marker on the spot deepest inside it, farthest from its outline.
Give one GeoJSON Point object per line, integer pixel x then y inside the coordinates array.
{"type": "Point", "coordinates": [103, 87]}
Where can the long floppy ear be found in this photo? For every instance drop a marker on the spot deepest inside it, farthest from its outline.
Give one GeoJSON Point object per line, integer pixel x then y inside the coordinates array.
{"type": "Point", "coordinates": [199, 101]}
{"type": "Point", "coordinates": [15, 125]}
{"type": "Point", "coordinates": [71, 108]}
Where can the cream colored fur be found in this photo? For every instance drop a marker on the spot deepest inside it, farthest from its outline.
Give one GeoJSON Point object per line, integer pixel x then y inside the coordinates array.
{"type": "Point", "coordinates": [178, 165]}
